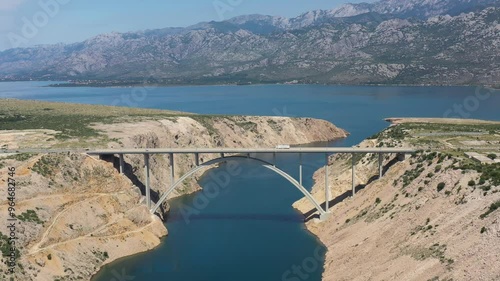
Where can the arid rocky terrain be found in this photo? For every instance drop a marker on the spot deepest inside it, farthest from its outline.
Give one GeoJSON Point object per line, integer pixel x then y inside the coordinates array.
{"type": "Point", "coordinates": [432, 216]}
{"type": "Point", "coordinates": [77, 213]}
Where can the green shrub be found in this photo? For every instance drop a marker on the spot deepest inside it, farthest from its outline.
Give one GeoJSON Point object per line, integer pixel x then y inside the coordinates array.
{"type": "Point", "coordinates": [30, 216]}
{"type": "Point", "coordinates": [441, 186]}
{"type": "Point", "coordinates": [492, 156]}
{"type": "Point", "coordinates": [493, 207]}
{"type": "Point", "coordinates": [472, 183]}
{"type": "Point", "coordinates": [485, 188]}
{"type": "Point", "coordinates": [5, 246]}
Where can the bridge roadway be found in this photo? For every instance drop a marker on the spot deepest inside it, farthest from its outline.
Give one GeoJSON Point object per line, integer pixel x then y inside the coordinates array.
{"type": "Point", "coordinates": [237, 154]}
{"type": "Point", "coordinates": [296, 150]}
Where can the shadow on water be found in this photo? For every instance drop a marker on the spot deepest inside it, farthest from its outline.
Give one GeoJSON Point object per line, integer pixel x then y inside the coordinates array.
{"type": "Point", "coordinates": [176, 217]}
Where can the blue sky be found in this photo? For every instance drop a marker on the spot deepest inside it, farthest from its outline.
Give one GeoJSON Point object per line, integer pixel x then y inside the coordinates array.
{"type": "Point", "coordinates": [31, 22]}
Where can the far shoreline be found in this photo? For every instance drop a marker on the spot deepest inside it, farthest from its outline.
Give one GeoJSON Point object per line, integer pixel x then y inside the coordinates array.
{"type": "Point", "coordinates": [69, 84]}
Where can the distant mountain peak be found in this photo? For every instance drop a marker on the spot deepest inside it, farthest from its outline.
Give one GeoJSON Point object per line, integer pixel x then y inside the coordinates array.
{"type": "Point", "coordinates": [403, 41]}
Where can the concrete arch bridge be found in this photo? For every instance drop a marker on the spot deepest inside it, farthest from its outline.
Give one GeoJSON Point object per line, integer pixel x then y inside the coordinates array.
{"type": "Point", "coordinates": [244, 154]}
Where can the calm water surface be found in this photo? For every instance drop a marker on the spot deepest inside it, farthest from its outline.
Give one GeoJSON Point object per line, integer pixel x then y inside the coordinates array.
{"type": "Point", "coordinates": [250, 231]}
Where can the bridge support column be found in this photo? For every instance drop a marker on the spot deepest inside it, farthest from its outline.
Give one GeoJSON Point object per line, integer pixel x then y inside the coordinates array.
{"type": "Point", "coordinates": [197, 159]}
{"type": "Point", "coordinates": [380, 166]}
{"type": "Point", "coordinates": [122, 164]}
{"type": "Point", "coordinates": [300, 169]}
{"type": "Point", "coordinates": [171, 169]}
{"type": "Point", "coordinates": [146, 171]}
{"type": "Point", "coordinates": [327, 190]}
{"type": "Point", "coordinates": [274, 159]}
{"type": "Point", "coordinates": [353, 176]}
{"type": "Point", "coordinates": [401, 156]}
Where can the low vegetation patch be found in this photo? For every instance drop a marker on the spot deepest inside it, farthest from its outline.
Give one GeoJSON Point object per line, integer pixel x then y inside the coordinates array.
{"type": "Point", "coordinates": [274, 125]}
{"type": "Point", "coordinates": [21, 157]}
{"type": "Point", "coordinates": [436, 251]}
{"type": "Point", "coordinates": [70, 120]}
{"type": "Point", "coordinates": [410, 175]}
{"type": "Point", "coordinates": [101, 255]}
{"type": "Point", "coordinates": [248, 126]}
{"type": "Point", "coordinates": [207, 122]}
{"type": "Point", "coordinates": [45, 165]}
{"type": "Point", "coordinates": [489, 172]}
{"type": "Point", "coordinates": [30, 216]}
{"type": "Point", "coordinates": [5, 246]}
{"type": "Point", "coordinates": [493, 207]}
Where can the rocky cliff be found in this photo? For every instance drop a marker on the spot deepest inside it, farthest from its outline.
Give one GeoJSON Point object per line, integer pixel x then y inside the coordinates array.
{"type": "Point", "coordinates": [432, 216]}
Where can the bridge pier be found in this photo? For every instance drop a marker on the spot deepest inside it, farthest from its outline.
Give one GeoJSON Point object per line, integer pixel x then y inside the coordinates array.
{"type": "Point", "coordinates": [401, 156]}
{"type": "Point", "coordinates": [380, 165]}
{"type": "Point", "coordinates": [300, 168]}
{"type": "Point", "coordinates": [353, 175]}
{"type": "Point", "coordinates": [327, 191]}
{"type": "Point", "coordinates": [171, 169]}
{"type": "Point", "coordinates": [122, 164]}
{"type": "Point", "coordinates": [146, 172]}
{"type": "Point", "coordinates": [197, 159]}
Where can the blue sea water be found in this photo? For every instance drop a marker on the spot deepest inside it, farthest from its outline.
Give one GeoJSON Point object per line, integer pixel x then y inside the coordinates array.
{"type": "Point", "coordinates": [250, 231]}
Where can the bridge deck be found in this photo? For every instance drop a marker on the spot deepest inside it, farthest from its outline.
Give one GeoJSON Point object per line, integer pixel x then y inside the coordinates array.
{"type": "Point", "coordinates": [253, 150]}
{"type": "Point", "coordinates": [218, 150]}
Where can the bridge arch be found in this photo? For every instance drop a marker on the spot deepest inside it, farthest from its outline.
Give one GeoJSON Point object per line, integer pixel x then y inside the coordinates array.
{"type": "Point", "coordinates": [264, 163]}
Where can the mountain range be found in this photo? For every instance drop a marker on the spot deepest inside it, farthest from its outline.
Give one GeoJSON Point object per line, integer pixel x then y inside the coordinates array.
{"type": "Point", "coordinates": [439, 42]}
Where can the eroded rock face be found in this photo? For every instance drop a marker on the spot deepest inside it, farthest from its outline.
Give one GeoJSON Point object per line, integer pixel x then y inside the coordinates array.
{"type": "Point", "coordinates": [184, 132]}
{"type": "Point", "coordinates": [421, 221]}
{"type": "Point", "coordinates": [75, 214]}
{"type": "Point", "coordinates": [79, 213]}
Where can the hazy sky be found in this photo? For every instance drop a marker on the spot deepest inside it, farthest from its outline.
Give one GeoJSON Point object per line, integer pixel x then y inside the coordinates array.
{"type": "Point", "coordinates": [31, 22]}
